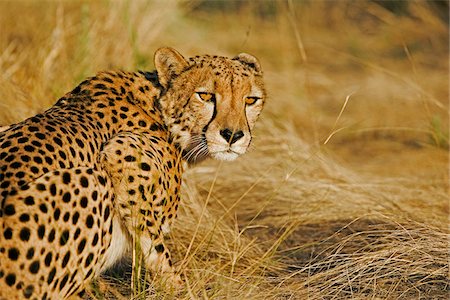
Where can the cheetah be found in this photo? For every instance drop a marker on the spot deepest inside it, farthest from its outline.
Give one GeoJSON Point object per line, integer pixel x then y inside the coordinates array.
{"type": "Point", "coordinates": [103, 168]}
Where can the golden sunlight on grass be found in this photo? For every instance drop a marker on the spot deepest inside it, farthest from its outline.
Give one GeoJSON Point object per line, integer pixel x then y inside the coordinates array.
{"type": "Point", "coordinates": [344, 194]}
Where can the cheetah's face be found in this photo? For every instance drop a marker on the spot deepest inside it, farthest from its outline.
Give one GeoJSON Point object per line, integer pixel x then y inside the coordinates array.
{"type": "Point", "coordinates": [211, 103]}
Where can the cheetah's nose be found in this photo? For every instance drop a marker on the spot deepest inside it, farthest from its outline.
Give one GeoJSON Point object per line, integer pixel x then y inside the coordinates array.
{"type": "Point", "coordinates": [230, 136]}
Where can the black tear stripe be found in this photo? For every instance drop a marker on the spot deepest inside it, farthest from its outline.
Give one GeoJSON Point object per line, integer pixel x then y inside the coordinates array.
{"type": "Point", "coordinates": [246, 121]}
{"type": "Point", "coordinates": [214, 100]}
{"type": "Point", "coordinates": [213, 116]}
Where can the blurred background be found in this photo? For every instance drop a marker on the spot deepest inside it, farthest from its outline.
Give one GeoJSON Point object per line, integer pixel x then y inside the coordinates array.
{"type": "Point", "coordinates": [344, 193]}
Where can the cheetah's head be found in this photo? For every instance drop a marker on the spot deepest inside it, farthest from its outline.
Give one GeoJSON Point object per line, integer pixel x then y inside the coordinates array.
{"type": "Point", "coordinates": [211, 103]}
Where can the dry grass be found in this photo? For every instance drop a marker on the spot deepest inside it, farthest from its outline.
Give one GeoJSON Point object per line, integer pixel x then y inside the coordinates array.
{"type": "Point", "coordinates": [344, 193]}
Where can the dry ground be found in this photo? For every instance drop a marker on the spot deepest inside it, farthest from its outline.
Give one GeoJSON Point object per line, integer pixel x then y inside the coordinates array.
{"type": "Point", "coordinates": [344, 194]}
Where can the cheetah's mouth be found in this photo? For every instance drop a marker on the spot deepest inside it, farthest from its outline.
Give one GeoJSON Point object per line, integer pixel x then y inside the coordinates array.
{"type": "Point", "coordinates": [197, 149]}
{"type": "Point", "coordinates": [228, 155]}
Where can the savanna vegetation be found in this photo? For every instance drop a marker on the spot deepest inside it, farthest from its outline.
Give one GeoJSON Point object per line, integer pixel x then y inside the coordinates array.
{"type": "Point", "coordinates": [344, 192]}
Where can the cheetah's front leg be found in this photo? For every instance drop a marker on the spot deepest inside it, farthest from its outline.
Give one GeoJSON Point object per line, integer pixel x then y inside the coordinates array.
{"type": "Point", "coordinates": [157, 258]}
{"type": "Point", "coordinates": [146, 186]}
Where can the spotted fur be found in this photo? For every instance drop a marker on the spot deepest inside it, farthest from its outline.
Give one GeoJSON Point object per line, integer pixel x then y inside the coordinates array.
{"type": "Point", "coordinates": [103, 167]}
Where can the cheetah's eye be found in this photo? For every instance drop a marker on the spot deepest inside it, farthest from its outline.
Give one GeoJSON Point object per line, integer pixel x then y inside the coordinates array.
{"type": "Point", "coordinates": [207, 97]}
{"type": "Point", "coordinates": [251, 100]}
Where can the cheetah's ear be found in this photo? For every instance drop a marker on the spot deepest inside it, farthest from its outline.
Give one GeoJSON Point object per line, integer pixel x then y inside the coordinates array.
{"type": "Point", "coordinates": [249, 61]}
{"type": "Point", "coordinates": [168, 63]}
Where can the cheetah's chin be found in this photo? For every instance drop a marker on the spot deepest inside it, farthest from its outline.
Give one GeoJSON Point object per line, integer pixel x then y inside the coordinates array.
{"type": "Point", "coordinates": [227, 155]}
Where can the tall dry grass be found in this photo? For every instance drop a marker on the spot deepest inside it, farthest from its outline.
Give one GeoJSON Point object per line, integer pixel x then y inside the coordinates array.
{"type": "Point", "coordinates": [344, 194]}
